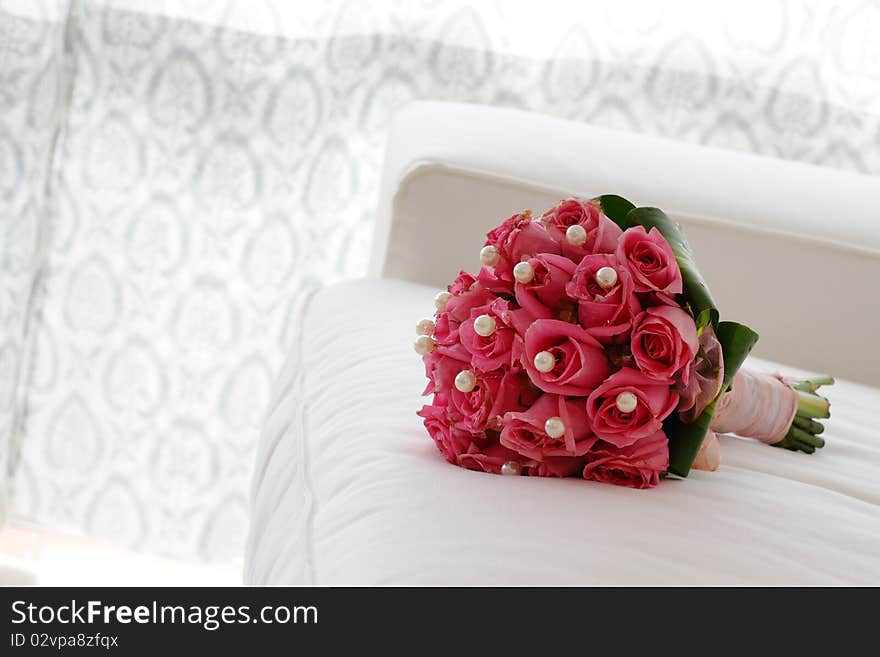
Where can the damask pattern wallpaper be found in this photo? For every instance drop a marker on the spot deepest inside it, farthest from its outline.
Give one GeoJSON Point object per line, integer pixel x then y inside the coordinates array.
{"type": "Point", "coordinates": [210, 170]}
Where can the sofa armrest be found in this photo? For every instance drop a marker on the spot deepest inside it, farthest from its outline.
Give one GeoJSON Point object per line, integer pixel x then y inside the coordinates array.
{"type": "Point", "coordinates": [791, 249]}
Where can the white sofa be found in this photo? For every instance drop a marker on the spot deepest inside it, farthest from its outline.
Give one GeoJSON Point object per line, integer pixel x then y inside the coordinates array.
{"type": "Point", "coordinates": [349, 489]}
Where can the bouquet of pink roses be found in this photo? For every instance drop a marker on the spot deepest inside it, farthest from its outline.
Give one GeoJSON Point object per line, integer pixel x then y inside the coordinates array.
{"type": "Point", "coordinates": [589, 345]}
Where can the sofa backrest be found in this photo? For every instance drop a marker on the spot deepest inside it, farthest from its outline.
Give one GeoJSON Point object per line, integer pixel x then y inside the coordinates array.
{"type": "Point", "coordinates": [792, 250]}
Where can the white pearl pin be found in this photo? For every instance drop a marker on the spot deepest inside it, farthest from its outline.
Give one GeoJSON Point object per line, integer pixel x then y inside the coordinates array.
{"type": "Point", "coordinates": [441, 299]}
{"type": "Point", "coordinates": [576, 235]}
{"type": "Point", "coordinates": [626, 402]}
{"type": "Point", "coordinates": [606, 277]}
{"type": "Point", "coordinates": [511, 468]}
{"type": "Point", "coordinates": [544, 361]}
{"type": "Point", "coordinates": [554, 427]}
{"type": "Point", "coordinates": [484, 325]}
{"type": "Point", "coordinates": [489, 256]}
{"type": "Point", "coordinates": [425, 327]}
{"type": "Point", "coordinates": [523, 273]}
{"type": "Point", "coordinates": [423, 345]}
{"type": "Point", "coordinates": [465, 381]}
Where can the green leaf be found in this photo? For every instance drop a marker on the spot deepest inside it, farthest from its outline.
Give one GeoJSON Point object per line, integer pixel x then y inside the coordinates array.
{"type": "Point", "coordinates": [736, 341]}
{"type": "Point", "coordinates": [615, 208]}
{"type": "Point", "coordinates": [695, 289]}
{"type": "Point", "coordinates": [685, 440]}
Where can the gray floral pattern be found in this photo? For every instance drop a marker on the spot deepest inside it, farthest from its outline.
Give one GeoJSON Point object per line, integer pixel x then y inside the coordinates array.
{"type": "Point", "coordinates": [206, 176]}
{"type": "Point", "coordinates": [31, 84]}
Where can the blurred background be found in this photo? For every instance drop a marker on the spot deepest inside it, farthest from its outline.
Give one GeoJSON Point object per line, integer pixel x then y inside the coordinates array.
{"type": "Point", "coordinates": [175, 176]}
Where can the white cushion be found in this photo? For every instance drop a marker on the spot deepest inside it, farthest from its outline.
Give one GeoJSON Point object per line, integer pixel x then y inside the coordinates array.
{"type": "Point", "coordinates": [349, 488]}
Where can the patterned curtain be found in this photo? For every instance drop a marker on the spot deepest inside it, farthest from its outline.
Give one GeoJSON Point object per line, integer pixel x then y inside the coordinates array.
{"type": "Point", "coordinates": [32, 102]}
{"type": "Point", "coordinates": [216, 160]}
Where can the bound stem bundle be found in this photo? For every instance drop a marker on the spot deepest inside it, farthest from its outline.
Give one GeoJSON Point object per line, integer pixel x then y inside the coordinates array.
{"type": "Point", "coordinates": [805, 430]}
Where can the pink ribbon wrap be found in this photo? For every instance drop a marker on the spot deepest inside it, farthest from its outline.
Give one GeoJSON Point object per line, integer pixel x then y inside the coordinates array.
{"type": "Point", "coordinates": [758, 405]}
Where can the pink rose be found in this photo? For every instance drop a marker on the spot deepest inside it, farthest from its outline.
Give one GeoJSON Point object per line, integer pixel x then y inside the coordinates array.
{"type": "Point", "coordinates": [524, 431]}
{"type": "Point", "coordinates": [557, 466]}
{"type": "Point", "coordinates": [638, 465]}
{"type": "Point", "coordinates": [487, 458]}
{"type": "Point", "coordinates": [601, 233]}
{"type": "Point", "coordinates": [493, 351]}
{"type": "Point", "coordinates": [448, 356]}
{"type": "Point", "coordinates": [664, 342]}
{"type": "Point", "coordinates": [463, 283]}
{"type": "Point", "coordinates": [609, 309]}
{"type": "Point", "coordinates": [650, 261]}
{"type": "Point", "coordinates": [580, 361]}
{"type": "Point", "coordinates": [460, 305]}
{"type": "Point", "coordinates": [441, 368]}
{"type": "Point", "coordinates": [655, 400]}
{"type": "Point", "coordinates": [467, 294]}
{"type": "Point", "coordinates": [498, 279]}
{"type": "Point", "coordinates": [451, 442]}
{"type": "Point", "coordinates": [493, 395]}
{"type": "Point", "coordinates": [545, 293]}
{"type": "Point", "coordinates": [445, 330]}
{"type": "Point", "coordinates": [521, 319]}
{"type": "Point", "coordinates": [519, 238]}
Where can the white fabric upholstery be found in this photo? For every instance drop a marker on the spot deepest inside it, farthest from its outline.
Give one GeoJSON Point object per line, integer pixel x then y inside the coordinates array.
{"type": "Point", "coordinates": [790, 249]}
{"type": "Point", "coordinates": [349, 488]}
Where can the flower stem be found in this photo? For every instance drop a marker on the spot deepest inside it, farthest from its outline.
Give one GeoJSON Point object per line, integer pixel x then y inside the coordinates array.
{"type": "Point", "coordinates": [812, 406]}
{"type": "Point", "coordinates": [806, 438]}
{"type": "Point", "coordinates": [813, 383]}
{"type": "Point", "coordinates": [808, 425]}
{"type": "Point", "coordinates": [803, 434]}
{"type": "Point", "coordinates": [799, 440]}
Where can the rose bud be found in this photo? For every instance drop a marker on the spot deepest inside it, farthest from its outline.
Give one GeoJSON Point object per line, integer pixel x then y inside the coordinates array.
{"type": "Point", "coordinates": [563, 358]}
{"type": "Point", "coordinates": [557, 466]}
{"type": "Point", "coordinates": [491, 396]}
{"type": "Point", "coordinates": [630, 406]}
{"type": "Point", "coordinates": [489, 458]}
{"type": "Point", "coordinates": [518, 238]}
{"type": "Point", "coordinates": [526, 432]}
{"type": "Point", "coordinates": [487, 336]}
{"type": "Point", "coordinates": [664, 342]}
{"type": "Point", "coordinates": [650, 261]}
{"type": "Point", "coordinates": [596, 233]}
{"type": "Point", "coordinates": [638, 465]}
{"type": "Point", "coordinates": [451, 442]}
{"type": "Point", "coordinates": [545, 291]}
{"type": "Point", "coordinates": [605, 306]}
